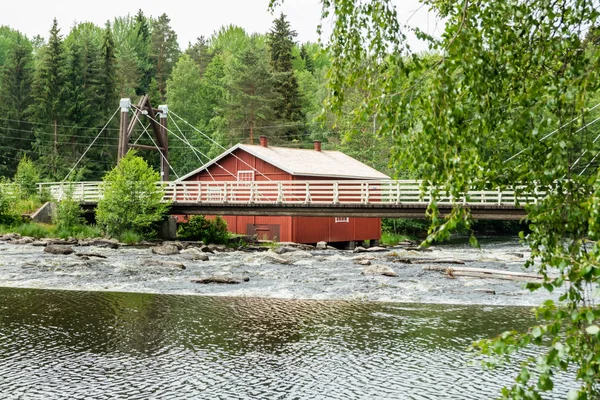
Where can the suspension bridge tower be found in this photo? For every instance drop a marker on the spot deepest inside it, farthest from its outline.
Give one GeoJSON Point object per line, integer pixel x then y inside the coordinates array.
{"type": "Point", "coordinates": [157, 117]}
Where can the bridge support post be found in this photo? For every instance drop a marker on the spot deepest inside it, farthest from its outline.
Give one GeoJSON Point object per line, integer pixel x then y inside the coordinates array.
{"type": "Point", "coordinates": [164, 159]}
{"type": "Point", "coordinates": [123, 145]}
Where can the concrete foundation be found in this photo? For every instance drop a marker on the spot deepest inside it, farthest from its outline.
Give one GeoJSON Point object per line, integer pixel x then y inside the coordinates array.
{"type": "Point", "coordinates": [44, 213]}
{"type": "Point", "coordinates": [168, 229]}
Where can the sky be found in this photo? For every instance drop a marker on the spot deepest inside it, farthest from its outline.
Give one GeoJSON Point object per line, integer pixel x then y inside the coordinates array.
{"type": "Point", "coordinates": [190, 18]}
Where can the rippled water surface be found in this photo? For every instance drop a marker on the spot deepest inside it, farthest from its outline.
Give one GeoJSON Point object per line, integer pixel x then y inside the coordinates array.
{"type": "Point", "coordinates": [101, 345]}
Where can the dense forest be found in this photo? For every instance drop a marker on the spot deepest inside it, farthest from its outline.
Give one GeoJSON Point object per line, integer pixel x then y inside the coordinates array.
{"type": "Point", "coordinates": [57, 94]}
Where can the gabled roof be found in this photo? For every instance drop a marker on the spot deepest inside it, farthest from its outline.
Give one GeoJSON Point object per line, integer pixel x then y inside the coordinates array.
{"type": "Point", "coordinates": [303, 162]}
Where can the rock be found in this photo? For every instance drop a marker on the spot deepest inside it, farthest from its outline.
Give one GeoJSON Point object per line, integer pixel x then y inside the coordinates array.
{"type": "Point", "coordinates": [206, 249]}
{"type": "Point", "coordinates": [217, 247]}
{"type": "Point", "coordinates": [376, 249]}
{"type": "Point", "coordinates": [359, 249]}
{"type": "Point", "coordinates": [165, 250]}
{"type": "Point", "coordinates": [419, 248]}
{"type": "Point", "coordinates": [297, 246]}
{"type": "Point", "coordinates": [283, 250]}
{"type": "Point", "coordinates": [168, 264]}
{"type": "Point", "coordinates": [247, 239]}
{"type": "Point", "coordinates": [40, 243]}
{"type": "Point", "coordinates": [179, 245]}
{"type": "Point", "coordinates": [221, 279]}
{"type": "Point", "coordinates": [296, 256]}
{"type": "Point", "coordinates": [10, 236]}
{"type": "Point", "coordinates": [23, 240]}
{"type": "Point", "coordinates": [193, 254]}
{"type": "Point", "coordinates": [379, 269]}
{"type": "Point", "coordinates": [362, 262]}
{"type": "Point", "coordinates": [98, 242]}
{"type": "Point", "coordinates": [321, 246]}
{"type": "Point", "coordinates": [518, 255]}
{"type": "Point", "coordinates": [363, 257]}
{"type": "Point", "coordinates": [487, 291]}
{"type": "Point", "coordinates": [275, 258]}
{"type": "Point", "coordinates": [58, 249]}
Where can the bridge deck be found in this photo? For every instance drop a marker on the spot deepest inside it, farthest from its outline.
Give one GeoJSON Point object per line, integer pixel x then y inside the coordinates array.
{"type": "Point", "coordinates": [387, 198]}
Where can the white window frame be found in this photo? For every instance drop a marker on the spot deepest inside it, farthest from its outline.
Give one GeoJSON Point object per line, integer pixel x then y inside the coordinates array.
{"type": "Point", "coordinates": [342, 220]}
{"type": "Point", "coordinates": [243, 175]}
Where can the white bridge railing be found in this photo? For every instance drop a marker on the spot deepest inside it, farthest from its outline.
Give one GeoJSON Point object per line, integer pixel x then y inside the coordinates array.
{"type": "Point", "coordinates": [294, 192]}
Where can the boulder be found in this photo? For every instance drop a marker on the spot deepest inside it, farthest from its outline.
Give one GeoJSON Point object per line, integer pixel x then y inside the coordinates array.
{"type": "Point", "coordinates": [10, 236]}
{"type": "Point", "coordinates": [376, 249]}
{"type": "Point", "coordinates": [297, 255]}
{"type": "Point", "coordinates": [172, 265]}
{"type": "Point", "coordinates": [322, 246]}
{"type": "Point", "coordinates": [179, 245]}
{"type": "Point", "coordinates": [379, 269]}
{"type": "Point", "coordinates": [194, 254]}
{"type": "Point", "coordinates": [275, 258]}
{"type": "Point", "coordinates": [58, 249]}
{"type": "Point", "coordinates": [165, 250]}
{"type": "Point", "coordinates": [284, 249]}
{"type": "Point", "coordinates": [362, 262]}
{"type": "Point", "coordinates": [359, 249]}
{"type": "Point", "coordinates": [23, 240]}
{"type": "Point", "coordinates": [206, 249]}
{"type": "Point", "coordinates": [363, 257]}
{"type": "Point", "coordinates": [97, 242]}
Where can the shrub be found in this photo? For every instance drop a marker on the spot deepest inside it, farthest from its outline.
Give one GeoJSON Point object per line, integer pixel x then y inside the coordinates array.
{"type": "Point", "coordinates": [131, 200]}
{"type": "Point", "coordinates": [207, 230]}
{"type": "Point", "coordinates": [68, 214]}
{"type": "Point", "coordinates": [27, 177]}
{"type": "Point", "coordinates": [130, 237]}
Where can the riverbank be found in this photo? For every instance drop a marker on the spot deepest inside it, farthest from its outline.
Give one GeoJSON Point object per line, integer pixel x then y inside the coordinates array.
{"type": "Point", "coordinates": [297, 273]}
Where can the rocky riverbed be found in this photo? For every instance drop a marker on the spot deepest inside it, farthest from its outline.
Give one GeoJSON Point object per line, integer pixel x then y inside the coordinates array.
{"type": "Point", "coordinates": [397, 274]}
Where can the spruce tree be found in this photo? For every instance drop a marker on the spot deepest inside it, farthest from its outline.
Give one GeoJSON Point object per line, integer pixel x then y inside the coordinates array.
{"type": "Point", "coordinates": [289, 109]}
{"type": "Point", "coordinates": [15, 97]}
{"type": "Point", "coordinates": [163, 54]}
{"type": "Point", "coordinates": [108, 77]}
{"type": "Point", "coordinates": [251, 95]}
{"type": "Point", "coordinates": [142, 49]}
{"type": "Point", "coordinates": [48, 108]}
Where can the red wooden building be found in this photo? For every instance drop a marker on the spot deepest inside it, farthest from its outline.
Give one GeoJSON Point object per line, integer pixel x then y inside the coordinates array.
{"type": "Point", "coordinates": [262, 162]}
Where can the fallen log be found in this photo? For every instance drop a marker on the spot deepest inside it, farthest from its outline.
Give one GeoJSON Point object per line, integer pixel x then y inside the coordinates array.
{"type": "Point", "coordinates": [221, 280]}
{"type": "Point", "coordinates": [435, 261]}
{"type": "Point", "coordinates": [90, 255]}
{"type": "Point", "coordinates": [486, 273]}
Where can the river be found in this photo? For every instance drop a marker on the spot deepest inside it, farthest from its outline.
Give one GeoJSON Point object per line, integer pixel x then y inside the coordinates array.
{"type": "Point", "coordinates": [314, 329]}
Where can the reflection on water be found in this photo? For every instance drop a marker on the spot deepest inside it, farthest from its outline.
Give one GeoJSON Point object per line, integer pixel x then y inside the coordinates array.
{"type": "Point", "coordinates": [81, 345]}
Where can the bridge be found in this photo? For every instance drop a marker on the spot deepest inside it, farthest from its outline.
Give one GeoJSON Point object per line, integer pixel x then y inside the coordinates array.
{"type": "Point", "coordinates": [350, 198]}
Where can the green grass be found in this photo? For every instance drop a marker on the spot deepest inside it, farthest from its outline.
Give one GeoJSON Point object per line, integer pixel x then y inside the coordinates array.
{"type": "Point", "coordinates": [130, 237]}
{"type": "Point", "coordinates": [38, 230]}
{"type": "Point", "coordinates": [392, 239]}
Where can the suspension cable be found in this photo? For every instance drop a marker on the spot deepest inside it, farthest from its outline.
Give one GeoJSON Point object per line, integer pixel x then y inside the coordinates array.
{"type": "Point", "coordinates": [221, 146]}
{"type": "Point", "coordinates": [90, 146]}
{"type": "Point", "coordinates": [155, 145]}
{"type": "Point", "coordinates": [558, 129]}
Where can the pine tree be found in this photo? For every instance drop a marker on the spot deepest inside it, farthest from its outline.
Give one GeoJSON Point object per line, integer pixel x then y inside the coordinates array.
{"type": "Point", "coordinates": [48, 108]}
{"type": "Point", "coordinates": [199, 52]}
{"type": "Point", "coordinates": [251, 95]}
{"type": "Point", "coordinates": [164, 53]}
{"type": "Point", "coordinates": [15, 97]}
{"type": "Point", "coordinates": [289, 109]}
{"type": "Point", "coordinates": [142, 49]}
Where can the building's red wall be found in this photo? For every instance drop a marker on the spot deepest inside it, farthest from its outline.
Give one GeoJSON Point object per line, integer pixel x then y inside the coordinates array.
{"type": "Point", "coordinates": [230, 165]}
{"type": "Point", "coordinates": [315, 229]}
{"type": "Point", "coordinates": [291, 229]}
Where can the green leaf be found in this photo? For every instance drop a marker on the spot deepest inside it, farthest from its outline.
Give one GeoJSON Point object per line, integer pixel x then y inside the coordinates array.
{"type": "Point", "coordinates": [592, 329]}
